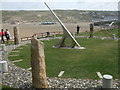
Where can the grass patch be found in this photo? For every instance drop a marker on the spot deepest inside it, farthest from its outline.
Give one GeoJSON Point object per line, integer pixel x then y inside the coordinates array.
{"type": "Point", "coordinates": [10, 43]}
{"type": "Point", "coordinates": [24, 54]}
{"type": "Point", "coordinates": [99, 55]}
{"type": "Point", "coordinates": [107, 33]}
{"type": "Point", "coordinates": [102, 33]}
{"type": "Point", "coordinates": [4, 87]}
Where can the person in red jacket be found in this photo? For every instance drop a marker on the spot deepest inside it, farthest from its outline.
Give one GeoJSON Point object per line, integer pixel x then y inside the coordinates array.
{"type": "Point", "coordinates": [2, 36]}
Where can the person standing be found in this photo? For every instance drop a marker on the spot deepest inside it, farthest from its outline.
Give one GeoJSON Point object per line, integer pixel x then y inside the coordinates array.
{"type": "Point", "coordinates": [78, 29]}
{"type": "Point", "coordinates": [91, 30]}
{"type": "Point", "coordinates": [7, 35]}
{"type": "Point", "coordinates": [2, 36]}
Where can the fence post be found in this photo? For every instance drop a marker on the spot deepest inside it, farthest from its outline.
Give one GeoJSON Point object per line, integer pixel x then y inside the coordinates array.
{"type": "Point", "coordinates": [54, 35]}
{"type": "Point", "coordinates": [42, 35]}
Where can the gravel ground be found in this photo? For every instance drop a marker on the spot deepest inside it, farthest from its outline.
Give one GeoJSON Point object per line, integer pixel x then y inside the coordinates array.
{"type": "Point", "coordinates": [20, 78]}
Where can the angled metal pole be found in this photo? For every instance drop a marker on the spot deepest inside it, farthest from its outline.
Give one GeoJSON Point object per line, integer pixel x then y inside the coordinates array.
{"type": "Point", "coordinates": [64, 28]}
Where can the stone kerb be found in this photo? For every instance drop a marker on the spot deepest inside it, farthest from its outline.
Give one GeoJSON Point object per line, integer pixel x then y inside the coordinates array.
{"type": "Point", "coordinates": [14, 73]}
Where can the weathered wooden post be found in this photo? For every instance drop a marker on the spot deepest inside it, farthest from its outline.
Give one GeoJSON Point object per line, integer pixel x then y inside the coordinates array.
{"type": "Point", "coordinates": [42, 35]}
{"type": "Point", "coordinates": [17, 39]}
{"type": "Point", "coordinates": [91, 30]}
{"type": "Point", "coordinates": [39, 79]}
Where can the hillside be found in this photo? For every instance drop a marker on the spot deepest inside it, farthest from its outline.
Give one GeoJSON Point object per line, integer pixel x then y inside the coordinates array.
{"type": "Point", "coordinates": [41, 16]}
{"type": "Point", "coordinates": [66, 16]}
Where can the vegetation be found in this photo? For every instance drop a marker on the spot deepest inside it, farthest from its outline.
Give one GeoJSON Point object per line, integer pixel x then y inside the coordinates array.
{"type": "Point", "coordinates": [69, 16]}
{"type": "Point", "coordinates": [4, 87]}
{"type": "Point", "coordinates": [99, 55]}
{"type": "Point", "coordinates": [10, 42]}
{"type": "Point", "coordinates": [103, 33]}
{"type": "Point", "coordinates": [107, 33]}
{"type": "Point", "coordinates": [24, 55]}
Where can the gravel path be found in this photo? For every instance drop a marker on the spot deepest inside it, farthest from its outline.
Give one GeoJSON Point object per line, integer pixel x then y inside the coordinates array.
{"type": "Point", "coordinates": [21, 78]}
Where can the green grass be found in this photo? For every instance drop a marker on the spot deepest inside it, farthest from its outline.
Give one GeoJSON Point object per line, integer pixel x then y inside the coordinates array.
{"type": "Point", "coordinates": [103, 33]}
{"type": "Point", "coordinates": [10, 42]}
{"type": "Point", "coordinates": [4, 87]}
{"type": "Point", "coordinates": [23, 54]}
{"type": "Point", "coordinates": [99, 55]}
{"type": "Point", "coordinates": [107, 33]}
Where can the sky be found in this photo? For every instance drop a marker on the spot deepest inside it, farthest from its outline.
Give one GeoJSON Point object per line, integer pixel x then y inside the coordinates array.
{"type": "Point", "coordinates": [109, 5]}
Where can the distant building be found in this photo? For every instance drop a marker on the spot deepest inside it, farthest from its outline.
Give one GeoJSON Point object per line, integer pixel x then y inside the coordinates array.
{"type": "Point", "coordinates": [84, 12]}
{"type": "Point", "coordinates": [47, 23]}
{"type": "Point", "coordinates": [13, 22]}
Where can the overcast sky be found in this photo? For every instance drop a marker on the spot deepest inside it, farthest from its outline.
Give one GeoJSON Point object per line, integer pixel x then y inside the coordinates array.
{"type": "Point", "coordinates": [110, 5]}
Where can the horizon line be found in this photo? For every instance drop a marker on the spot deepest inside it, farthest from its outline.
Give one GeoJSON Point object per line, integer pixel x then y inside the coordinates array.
{"type": "Point", "coordinates": [55, 9]}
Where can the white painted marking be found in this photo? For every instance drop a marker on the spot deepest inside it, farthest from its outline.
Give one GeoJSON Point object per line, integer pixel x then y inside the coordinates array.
{"type": "Point", "coordinates": [13, 55]}
{"type": "Point", "coordinates": [17, 60]}
{"type": "Point", "coordinates": [19, 48]}
{"type": "Point", "coordinates": [29, 68]}
{"type": "Point", "coordinates": [87, 37]}
{"type": "Point", "coordinates": [60, 74]}
{"type": "Point", "coordinates": [15, 51]}
{"type": "Point", "coordinates": [102, 38]}
{"type": "Point", "coordinates": [99, 75]}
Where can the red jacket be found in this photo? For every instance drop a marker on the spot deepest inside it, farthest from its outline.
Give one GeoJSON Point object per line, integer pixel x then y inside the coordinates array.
{"type": "Point", "coordinates": [2, 33]}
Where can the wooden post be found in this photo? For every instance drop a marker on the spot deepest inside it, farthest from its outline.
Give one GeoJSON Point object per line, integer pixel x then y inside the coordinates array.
{"type": "Point", "coordinates": [42, 35]}
{"type": "Point", "coordinates": [91, 30]}
{"type": "Point", "coordinates": [39, 79]}
{"type": "Point", "coordinates": [16, 36]}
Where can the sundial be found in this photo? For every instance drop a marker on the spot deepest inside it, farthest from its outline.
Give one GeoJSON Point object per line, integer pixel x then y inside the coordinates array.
{"type": "Point", "coordinates": [66, 35]}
